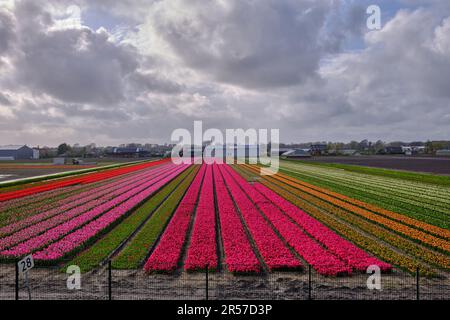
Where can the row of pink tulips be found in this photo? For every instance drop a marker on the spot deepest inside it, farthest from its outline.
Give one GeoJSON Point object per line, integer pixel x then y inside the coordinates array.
{"type": "Point", "coordinates": [76, 239]}
{"type": "Point", "coordinates": [62, 215]}
{"type": "Point", "coordinates": [55, 233]}
{"type": "Point", "coordinates": [323, 261]}
{"type": "Point", "coordinates": [67, 204]}
{"type": "Point", "coordinates": [35, 210]}
{"type": "Point", "coordinates": [355, 257]}
{"type": "Point", "coordinates": [272, 249]}
{"type": "Point", "coordinates": [167, 253]}
{"type": "Point", "coordinates": [239, 255]}
{"type": "Point", "coordinates": [14, 204]}
{"type": "Point", "coordinates": [202, 251]}
{"type": "Point", "coordinates": [32, 201]}
{"type": "Point", "coordinates": [47, 203]}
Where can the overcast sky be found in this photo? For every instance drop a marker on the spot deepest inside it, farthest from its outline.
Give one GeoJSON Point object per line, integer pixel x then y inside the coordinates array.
{"type": "Point", "coordinates": [113, 72]}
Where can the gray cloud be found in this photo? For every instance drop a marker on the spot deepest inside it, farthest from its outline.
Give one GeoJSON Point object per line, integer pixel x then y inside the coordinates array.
{"type": "Point", "coordinates": [154, 82]}
{"type": "Point", "coordinates": [6, 32]}
{"type": "Point", "coordinates": [265, 64]}
{"type": "Point", "coordinates": [267, 43]}
{"type": "Point", "coordinates": [4, 100]}
{"type": "Point", "coordinates": [76, 65]}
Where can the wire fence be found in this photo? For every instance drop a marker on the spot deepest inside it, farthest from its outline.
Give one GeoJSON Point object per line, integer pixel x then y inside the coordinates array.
{"type": "Point", "coordinates": [54, 283]}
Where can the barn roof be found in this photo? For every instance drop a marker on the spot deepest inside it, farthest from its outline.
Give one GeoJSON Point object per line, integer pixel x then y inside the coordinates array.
{"type": "Point", "coordinates": [11, 147]}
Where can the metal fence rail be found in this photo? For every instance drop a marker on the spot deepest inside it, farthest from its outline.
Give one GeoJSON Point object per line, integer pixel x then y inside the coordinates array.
{"type": "Point", "coordinates": [50, 283]}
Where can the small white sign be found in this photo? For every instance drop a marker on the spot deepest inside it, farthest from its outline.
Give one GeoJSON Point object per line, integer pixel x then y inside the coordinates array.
{"type": "Point", "coordinates": [26, 264]}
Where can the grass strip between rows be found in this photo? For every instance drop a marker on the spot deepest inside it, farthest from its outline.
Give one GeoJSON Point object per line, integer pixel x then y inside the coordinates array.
{"type": "Point", "coordinates": [132, 256]}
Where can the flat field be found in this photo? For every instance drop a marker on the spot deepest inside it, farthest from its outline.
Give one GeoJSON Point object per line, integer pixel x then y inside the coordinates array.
{"type": "Point", "coordinates": [20, 169]}
{"type": "Point", "coordinates": [436, 165]}
{"type": "Point", "coordinates": [159, 225]}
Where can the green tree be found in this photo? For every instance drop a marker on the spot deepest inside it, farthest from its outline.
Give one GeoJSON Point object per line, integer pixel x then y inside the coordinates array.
{"type": "Point", "coordinates": [63, 148]}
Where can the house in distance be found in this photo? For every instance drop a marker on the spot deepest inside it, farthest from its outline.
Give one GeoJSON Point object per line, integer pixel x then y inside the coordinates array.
{"type": "Point", "coordinates": [18, 152]}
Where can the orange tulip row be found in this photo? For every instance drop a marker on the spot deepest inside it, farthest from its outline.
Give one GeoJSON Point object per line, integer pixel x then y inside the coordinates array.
{"type": "Point", "coordinates": [437, 231]}
{"type": "Point", "coordinates": [410, 232]}
{"type": "Point", "coordinates": [405, 245]}
{"type": "Point", "coordinates": [367, 243]}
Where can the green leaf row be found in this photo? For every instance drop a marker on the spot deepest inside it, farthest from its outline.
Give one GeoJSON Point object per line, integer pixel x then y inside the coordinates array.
{"type": "Point", "coordinates": [413, 211]}
{"type": "Point", "coordinates": [411, 176]}
{"type": "Point", "coordinates": [439, 198]}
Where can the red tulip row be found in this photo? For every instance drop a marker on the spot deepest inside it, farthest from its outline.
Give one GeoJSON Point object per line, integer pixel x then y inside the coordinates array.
{"type": "Point", "coordinates": [239, 255]}
{"type": "Point", "coordinates": [36, 198]}
{"type": "Point", "coordinates": [319, 258]}
{"type": "Point", "coordinates": [57, 232]}
{"type": "Point", "coordinates": [167, 253]}
{"type": "Point", "coordinates": [88, 178]}
{"type": "Point", "coordinates": [62, 214]}
{"type": "Point", "coordinates": [272, 249]}
{"type": "Point", "coordinates": [355, 257]}
{"type": "Point", "coordinates": [202, 251]}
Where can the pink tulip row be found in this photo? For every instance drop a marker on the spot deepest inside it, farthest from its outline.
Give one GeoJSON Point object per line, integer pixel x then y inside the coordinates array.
{"type": "Point", "coordinates": [355, 257]}
{"type": "Point", "coordinates": [239, 255]}
{"type": "Point", "coordinates": [22, 203]}
{"type": "Point", "coordinates": [15, 204]}
{"type": "Point", "coordinates": [60, 215]}
{"type": "Point", "coordinates": [72, 202]}
{"type": "Point", "coordinates": [75, 239]}
{"type": "Point", "coordinates": [59, 231]}
{"type": "Point", "coordinates": [272, 249]}
{"type": "Point", "coordinates": [202, 251]}
{"type": "Point", "coordinates": [35, 212]}
{"type": "Point", "coordinates": [167, 253]}
{"type": "Point", "coordinates": [323, 261]}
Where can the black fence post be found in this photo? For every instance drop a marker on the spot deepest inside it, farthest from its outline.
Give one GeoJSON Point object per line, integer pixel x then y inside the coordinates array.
{"type": "Point", "coordinates": [417, 284]}
{"type": "Point", "coordinates": [206, 283]}
{"type": "Point", "coordinates": [309, 283]}
{"type": "Point", "coordinates": [17, 281]}
{"type": "Point", "coordinates": [109, 281]}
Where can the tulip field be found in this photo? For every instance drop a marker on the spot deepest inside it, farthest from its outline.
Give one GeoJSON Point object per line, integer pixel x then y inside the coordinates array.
{"type": "Point", "coordinates": [159, 217]}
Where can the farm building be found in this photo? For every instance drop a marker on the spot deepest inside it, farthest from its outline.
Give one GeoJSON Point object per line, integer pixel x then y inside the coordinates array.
{"type": "Point", "coordinates": [443, 153]}
{"type": "Point", "coordinates": [296, 153]}
{"type": "Point", "coordinates": [393, 150]}
{"type": "Point", "coordinates": [283, 150]}
{"type": "Point", "coordinates": [318, 149]}
{"type": "Point", "coordinates": [348, 152]}
{"type": "Point", "coordinates": [129, 152]}
{"type": "Point", "coordinates": [18, 152]}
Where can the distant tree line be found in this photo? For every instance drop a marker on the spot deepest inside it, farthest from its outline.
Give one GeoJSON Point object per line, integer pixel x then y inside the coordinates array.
{"type": "Point", "coordinates": [369, 147]}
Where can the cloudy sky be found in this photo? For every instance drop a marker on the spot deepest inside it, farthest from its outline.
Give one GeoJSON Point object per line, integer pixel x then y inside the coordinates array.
{"type": "Point", "coordinates": [112, 72]}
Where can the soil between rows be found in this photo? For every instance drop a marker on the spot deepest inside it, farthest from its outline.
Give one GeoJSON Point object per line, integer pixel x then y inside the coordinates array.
{"type": "Point", "coordinates": [136, 285]}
